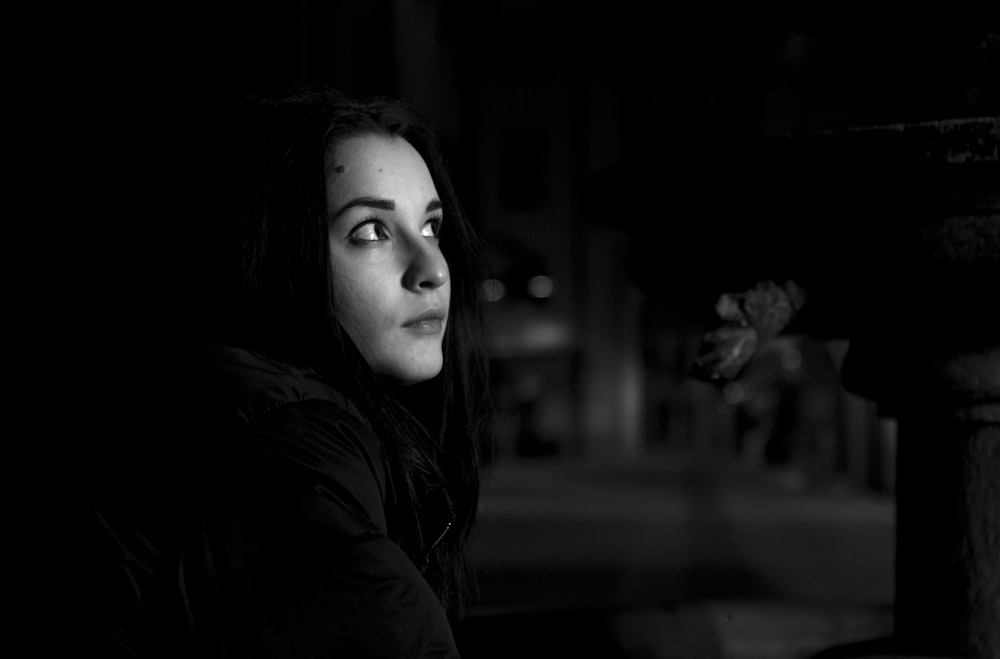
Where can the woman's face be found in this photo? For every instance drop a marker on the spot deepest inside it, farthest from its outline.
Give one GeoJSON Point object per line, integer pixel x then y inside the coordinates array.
{"type": "Point", "coordinates": [390, 280]}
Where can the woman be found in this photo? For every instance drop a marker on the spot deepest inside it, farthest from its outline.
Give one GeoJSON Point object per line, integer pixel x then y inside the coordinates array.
{"type": "Point", "coordinates": [317, 499]}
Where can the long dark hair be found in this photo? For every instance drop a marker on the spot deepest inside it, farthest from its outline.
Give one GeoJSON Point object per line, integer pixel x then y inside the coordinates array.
{"type": "Point", "coordinates": [271, 269]}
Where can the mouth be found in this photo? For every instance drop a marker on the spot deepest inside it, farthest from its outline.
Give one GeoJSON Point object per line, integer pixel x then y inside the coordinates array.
{"type": "Point", "coordinates": [429, 322]}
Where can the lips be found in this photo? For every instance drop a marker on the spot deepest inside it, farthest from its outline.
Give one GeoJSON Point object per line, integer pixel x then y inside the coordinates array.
{"type": "Point", "coordinates": [430, 321]}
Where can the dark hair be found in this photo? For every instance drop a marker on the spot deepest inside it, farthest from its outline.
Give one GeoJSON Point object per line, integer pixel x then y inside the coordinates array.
{"type": "Point", "coordinates": [273, 293]}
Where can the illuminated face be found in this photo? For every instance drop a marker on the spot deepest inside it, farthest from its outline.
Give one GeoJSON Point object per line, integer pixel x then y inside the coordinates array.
{"type": "Point", "coordinates": [390, 280]}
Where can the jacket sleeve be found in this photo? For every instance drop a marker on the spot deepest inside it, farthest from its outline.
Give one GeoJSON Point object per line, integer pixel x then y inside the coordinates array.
{"type": "Point", "coordinates": [296, 552]}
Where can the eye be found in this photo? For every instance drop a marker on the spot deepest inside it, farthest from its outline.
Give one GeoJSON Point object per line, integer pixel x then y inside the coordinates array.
{"type": "Point", "coordinates": [370, 231]}
{"type": "Point", "coordinates": [432, 229]}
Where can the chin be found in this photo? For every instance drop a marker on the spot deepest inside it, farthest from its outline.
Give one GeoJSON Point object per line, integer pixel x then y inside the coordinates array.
{"type": "Point", "coordinates": [423, 375]}
{"type": "Point", "coordinates": [413, 373]}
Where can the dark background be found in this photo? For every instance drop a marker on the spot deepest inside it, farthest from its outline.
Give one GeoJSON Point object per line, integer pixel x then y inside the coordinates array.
{"type": "Point", "coordinates": [622, 151]}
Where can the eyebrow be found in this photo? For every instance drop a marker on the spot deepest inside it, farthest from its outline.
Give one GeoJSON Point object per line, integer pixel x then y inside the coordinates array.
{"type": "Point", "coordinates": [382, 204]}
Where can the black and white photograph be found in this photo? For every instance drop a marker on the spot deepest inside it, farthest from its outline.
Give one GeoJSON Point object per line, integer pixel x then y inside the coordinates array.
{"type": "Point", "coordinates": [521, 329]}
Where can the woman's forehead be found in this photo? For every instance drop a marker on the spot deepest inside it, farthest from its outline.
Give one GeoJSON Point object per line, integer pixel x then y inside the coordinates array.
{"type": "Point", "coordinates": [377, 165]}
{"type": "Point", "coordinates": [366, 150]}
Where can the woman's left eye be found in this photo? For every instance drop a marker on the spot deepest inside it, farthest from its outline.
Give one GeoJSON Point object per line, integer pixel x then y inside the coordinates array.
{"type": "Point", "coordinates": [432, 229]}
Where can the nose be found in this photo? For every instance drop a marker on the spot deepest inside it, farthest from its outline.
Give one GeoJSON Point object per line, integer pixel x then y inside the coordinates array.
{"type": "Point", "coordinates": [427, 268]}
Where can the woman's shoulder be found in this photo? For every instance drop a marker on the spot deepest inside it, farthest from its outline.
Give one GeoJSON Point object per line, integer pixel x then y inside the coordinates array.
{"type": "Point", "coordinates": [272, 414]}
{"type": "Point", "coordinates": [242, 386]}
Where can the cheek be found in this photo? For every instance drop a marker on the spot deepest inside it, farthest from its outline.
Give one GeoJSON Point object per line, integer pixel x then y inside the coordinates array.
{"type": "Point", "coordinates": [357, 304]}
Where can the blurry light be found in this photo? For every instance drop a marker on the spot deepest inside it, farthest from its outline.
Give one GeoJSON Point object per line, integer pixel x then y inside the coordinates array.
{"type": "Point", "coordinates": [544, 336]}
{"type": "Point", "coordinates": [791, 358]}
{"type": "Point", "coordinates": [734, 393]}
{"type": "Point", "coordinates": [493, 290]}
{"type": "Point", "coordinates": [541, 286]}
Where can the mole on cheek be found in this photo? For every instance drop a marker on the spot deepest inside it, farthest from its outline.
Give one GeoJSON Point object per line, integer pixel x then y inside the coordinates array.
{"type": "Point", "coordinates": [339, 169]}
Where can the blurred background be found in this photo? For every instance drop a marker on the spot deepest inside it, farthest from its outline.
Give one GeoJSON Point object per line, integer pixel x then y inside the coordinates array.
{"type": "Point", "coordinates": [630, 509]}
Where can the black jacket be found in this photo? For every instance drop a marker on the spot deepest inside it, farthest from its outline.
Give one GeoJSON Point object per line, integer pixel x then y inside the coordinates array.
{"type": "Point", "coordinates": [268, 535]}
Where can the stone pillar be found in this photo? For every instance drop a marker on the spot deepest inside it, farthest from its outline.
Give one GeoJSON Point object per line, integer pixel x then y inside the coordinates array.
{"type": "Point", "coordinates": [948, 510]}
{"type": "Point", "coordinates": [930, 356]}
{"type": "Point", "coordinates": [947, 601]}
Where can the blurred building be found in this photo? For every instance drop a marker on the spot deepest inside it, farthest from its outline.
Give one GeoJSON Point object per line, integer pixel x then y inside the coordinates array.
{"type": "Point", "coordinates": [533, 98]}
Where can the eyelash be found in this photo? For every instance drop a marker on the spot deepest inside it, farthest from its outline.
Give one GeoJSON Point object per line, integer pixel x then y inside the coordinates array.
{"type": "Point", "coordinates": [436, 223]}
{"type": "Point", "coordinates": [379, 225]}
